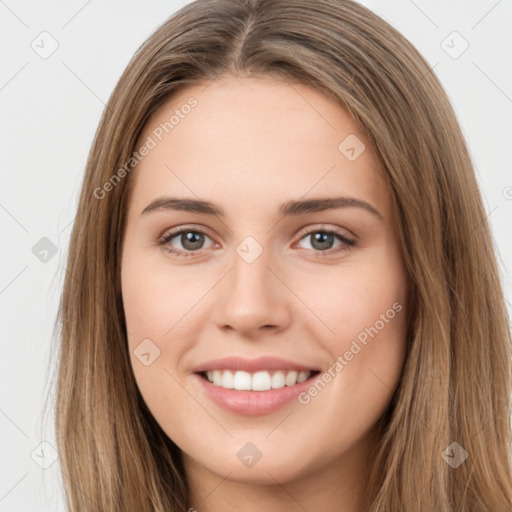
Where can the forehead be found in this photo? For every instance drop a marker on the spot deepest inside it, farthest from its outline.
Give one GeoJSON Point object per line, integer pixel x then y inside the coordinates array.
{"type": "Point", "coordinates": [252, 139]}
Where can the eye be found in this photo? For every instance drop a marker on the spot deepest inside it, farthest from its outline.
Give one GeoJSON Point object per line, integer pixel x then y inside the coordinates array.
{"type": "Point", "coordinates": [322, 240]}
{"type": "Point", "coordinates": [191, 240]}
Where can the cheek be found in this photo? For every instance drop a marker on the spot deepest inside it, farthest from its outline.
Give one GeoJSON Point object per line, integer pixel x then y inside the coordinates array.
{"type": "Point", "coordinates": [365, 306]}
{"type": "Point", "coordinates": [152, 312]}
{"type": "Point", "coordinates": [163, 318]}
{"type": "Point", "coordinates": [364, 322]}
{"type": "Point", "coordinates": [352, 299]}
{"type": "Point", "coordinates": [154, 301]}
{"type": "Point", "coordinates": [148, 314]}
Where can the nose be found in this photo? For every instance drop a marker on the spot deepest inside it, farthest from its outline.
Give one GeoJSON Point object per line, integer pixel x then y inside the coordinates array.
{"type": "Point", "coordinates": [253, 301]}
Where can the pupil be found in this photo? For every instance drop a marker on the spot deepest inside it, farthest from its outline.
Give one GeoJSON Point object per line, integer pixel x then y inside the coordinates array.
{"type": "Point", "coordinates": [322, 240]}
{"type": "Point", "coordinates": [191, 240]}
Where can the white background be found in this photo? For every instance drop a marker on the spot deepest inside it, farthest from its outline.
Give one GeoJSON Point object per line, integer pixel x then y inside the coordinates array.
{"type": "Point", "coordinates": [50, 109]}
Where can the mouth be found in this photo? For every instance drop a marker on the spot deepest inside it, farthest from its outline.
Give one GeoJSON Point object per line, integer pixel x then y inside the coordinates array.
{"type": "Point", "coordinates": [253, 386]}
{"type": "Point", "coordinates": [253, 393]}
{"type": "Point", "coordinates": [263, 380]}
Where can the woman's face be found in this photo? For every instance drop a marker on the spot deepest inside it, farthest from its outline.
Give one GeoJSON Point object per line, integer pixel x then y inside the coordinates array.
{"type": "Point", "coordinates": [287, 264]}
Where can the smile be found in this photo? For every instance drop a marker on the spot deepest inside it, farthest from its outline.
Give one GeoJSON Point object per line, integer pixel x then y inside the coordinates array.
{"type": "Point", "coordinates": [257, 381]}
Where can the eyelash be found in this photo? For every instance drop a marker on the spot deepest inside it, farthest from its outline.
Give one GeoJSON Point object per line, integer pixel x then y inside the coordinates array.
{"type": "Point", "coordinates": [347, 243]}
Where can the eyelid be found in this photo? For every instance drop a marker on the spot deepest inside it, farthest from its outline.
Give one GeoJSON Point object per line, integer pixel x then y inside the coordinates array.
{"type": "Point", "coordinates": [164, 240]}
{"type": "Point", "coordinates": [170, 233]}
{"type": "Point", "coordinates": [346, 242]}
{"type": "Point", "coordinates": [330, 228]}
{"type": "Point", "coordinates": [203, 229]}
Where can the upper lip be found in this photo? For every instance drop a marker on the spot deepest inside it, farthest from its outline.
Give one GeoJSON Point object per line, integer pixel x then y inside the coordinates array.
{"type": "Point", "coordinates": [251, 365]}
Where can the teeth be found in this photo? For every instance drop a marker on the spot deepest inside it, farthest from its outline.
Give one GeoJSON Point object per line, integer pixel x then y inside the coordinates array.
{"type": "Point", "coordinates": [242, 381]}
{"type": "Point", "coordinates": [278, 380]}
{"type": "Point", "coordinates": [303, 376]}
{"type": "Point", "coordinates": [291, 378]}
{"type": "Point", "coordinates": [217, 377]}
{"type": "Point", "coordinates": [228, 380]}
{"type": "Point", "coordinates": [258, 381]}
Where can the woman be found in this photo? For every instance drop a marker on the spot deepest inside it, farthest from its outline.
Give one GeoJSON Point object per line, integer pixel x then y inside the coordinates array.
{"type": "Point", "coordinates": [281, 289]}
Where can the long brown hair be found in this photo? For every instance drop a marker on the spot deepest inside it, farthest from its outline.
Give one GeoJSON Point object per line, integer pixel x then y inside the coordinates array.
{"type": "Point", "coordinates": [456, 381]}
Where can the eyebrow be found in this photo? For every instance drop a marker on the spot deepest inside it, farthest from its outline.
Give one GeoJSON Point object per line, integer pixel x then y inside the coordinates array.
{"type": "Point", "coordinates": [290, 208]}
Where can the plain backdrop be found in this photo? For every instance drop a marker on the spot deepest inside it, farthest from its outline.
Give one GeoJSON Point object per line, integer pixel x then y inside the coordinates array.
{"type": "Point", "coordinates": [59, 64]}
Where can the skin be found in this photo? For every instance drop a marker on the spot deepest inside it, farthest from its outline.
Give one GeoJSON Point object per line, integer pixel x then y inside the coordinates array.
{"type": "Point", "coordinates": [249, 145]}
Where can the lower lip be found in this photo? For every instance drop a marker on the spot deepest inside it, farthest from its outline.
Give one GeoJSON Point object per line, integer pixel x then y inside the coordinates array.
{"type": "Point", "coordinates": [252, 403]}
